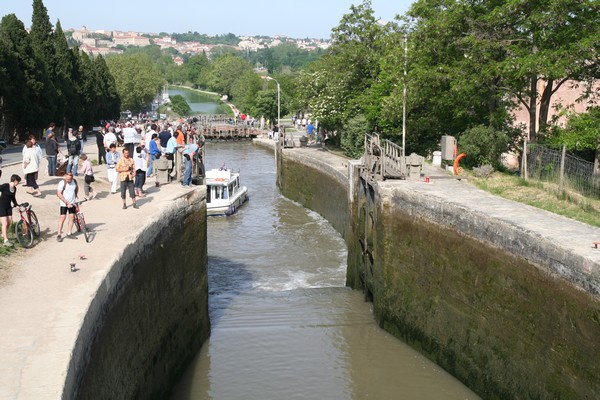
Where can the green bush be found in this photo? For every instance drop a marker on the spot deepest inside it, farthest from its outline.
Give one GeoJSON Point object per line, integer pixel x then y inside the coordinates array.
{"type": "Point", "coordinates": [179, 105]}
{"type": "Point", "coordinates": [353, 136]}
{"type": "Point", "coordinates": [483, 145]}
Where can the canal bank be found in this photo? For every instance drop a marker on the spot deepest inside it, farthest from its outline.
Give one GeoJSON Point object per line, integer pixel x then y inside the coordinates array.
{"type": "Point", "coordinates": [502, 295]}
{"type": "Point", "coordinates": [126, 320]}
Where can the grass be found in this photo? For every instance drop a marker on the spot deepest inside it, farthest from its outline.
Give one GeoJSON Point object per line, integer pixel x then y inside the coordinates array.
{"type": "Point", "coordinates": [6, 252]}
{"type": "Point", "coordinates": [542, 195]}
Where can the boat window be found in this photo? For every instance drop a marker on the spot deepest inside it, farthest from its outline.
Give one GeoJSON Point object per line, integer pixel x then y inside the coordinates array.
{"type": "Point", "coordinates": [217, 192]}
{"type": "Point", "coordinates": [225, 195]}
{"type": "Point", "coordinates": [208, 193]}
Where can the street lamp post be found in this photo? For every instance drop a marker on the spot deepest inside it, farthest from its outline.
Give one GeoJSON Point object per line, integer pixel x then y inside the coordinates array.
{"type": "Point", "coordinates": [268, 78]}
{"type": "Point", "coordinates": [404, 98]}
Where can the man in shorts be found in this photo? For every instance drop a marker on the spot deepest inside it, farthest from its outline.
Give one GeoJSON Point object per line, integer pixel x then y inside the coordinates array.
{"type": "Point", "coordinates": [67, 193]}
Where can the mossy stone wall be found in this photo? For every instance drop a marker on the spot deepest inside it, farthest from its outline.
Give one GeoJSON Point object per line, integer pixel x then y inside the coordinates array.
{"type": "Point", "coordinates": [150, 317]}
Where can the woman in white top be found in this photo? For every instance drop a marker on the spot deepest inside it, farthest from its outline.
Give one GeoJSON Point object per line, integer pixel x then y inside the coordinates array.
{"type": "Point", "coordinates": [31, 165]}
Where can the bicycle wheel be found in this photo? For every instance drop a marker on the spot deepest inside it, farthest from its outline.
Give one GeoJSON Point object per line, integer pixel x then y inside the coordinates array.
{"type": "Point", "coordinates": [24, 234]}
{"type": "Point", "coordinates": [83, 228]}
{"type": "Point", "coordinates": [35, 224]}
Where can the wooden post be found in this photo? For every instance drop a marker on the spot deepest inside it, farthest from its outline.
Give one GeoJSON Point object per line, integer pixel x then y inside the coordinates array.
{"type": "Point", "coordinates": [561, 179]}
{"type": "Point", "coordinates": [524, 161]}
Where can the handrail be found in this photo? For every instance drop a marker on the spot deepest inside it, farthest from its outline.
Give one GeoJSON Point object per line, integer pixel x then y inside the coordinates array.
{"type": "Point", "coordinates": [383, 159]}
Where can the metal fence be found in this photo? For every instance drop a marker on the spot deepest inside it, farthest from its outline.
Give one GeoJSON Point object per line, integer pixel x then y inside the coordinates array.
{"type": "Point", "coordinates": [569, 172]}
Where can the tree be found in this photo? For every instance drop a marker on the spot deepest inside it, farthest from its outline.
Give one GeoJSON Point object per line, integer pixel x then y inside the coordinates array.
{"type": "Point", "coordinates": [196, 69]}
{"type": "Point", "coordinates": [61, 67]}
{"type": "Point", "coordinates": [110, 103]}
{"type": "Point", "coordinates": [180, 106]}
{"type": "Point", "coordinates": [244, 91]}
{"type": "Point", "coordinates": [334, 88]}
{"type": "Point", "coordinates": [549, 42]}
{"type": "Point", "coordinates": [225, 71]}
{"type": "Point", "coordinates": [23, 81]}
{"type": "Point", "coordinates": [266, 104]}
{"type": "Point", "coordinates": [580, 135]}
{"type": "Point", "coordinates": [42, 41]}
{"type": "Point", "coordinates": [88, 89]}
{"type": "Point", "coordinates": [136, 79]}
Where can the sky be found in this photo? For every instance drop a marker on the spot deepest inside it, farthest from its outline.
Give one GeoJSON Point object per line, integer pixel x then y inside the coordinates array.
{"type": "Point", "coordinates": [292, 18]}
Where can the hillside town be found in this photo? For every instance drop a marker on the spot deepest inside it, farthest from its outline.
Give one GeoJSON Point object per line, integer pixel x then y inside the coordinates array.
{"type": "Point", "coordinates": [106, 42]}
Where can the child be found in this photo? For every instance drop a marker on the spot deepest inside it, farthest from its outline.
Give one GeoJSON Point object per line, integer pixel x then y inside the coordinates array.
{"type": "Point", "coordinates": [88, 174]}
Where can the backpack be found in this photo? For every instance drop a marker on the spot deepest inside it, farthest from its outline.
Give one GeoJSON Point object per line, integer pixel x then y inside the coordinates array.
{"type": "Point", "coordinates": [73, 151]}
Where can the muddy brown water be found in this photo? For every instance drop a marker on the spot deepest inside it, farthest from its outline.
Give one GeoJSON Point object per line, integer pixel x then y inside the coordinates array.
{"type": "Point", "coordinates": [283, 324]}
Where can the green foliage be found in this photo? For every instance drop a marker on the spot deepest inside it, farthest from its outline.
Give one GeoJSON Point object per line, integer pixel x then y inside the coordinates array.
{"type": "Point", "coordinates": [284, 56]}
{"type": "Point", "coordinates": [22, 82]}
{"type": "Point", "coordinates": [137, 80]}
{"type": "Point", "coordinates": [62, 67]}
{"type": "Point", "coordinates": [483, 145]}
{"type": "Point", "coordinates": [197, 69]}
{"type": "Point", "coordinates": [353, 136]}
{"type": "Point", "coordinates": [109, 105]}
{"type": "Point", "coordinates": [41, 30]}
{"type": "Point", "coordinates": [42, 80]}
{"type": "Point", "coordinates": [266, 104]}
{"type": "Point", "coordinates": [227, 39]}
{"type": "Point", "coordinates": [580, 133]}
{"type": "Point", "coordinates": [180, 106]}
{"type": "Point", "coordinates": [335, 87]}
{"type": "Point", "coordinates": [225, 71]}
{"type": "Point", "coordinates": [244, 91]}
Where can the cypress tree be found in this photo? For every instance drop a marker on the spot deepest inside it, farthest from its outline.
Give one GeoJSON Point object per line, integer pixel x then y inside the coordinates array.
{"type": "Point", "coordinates": [43, 45]}
{"type": "Point", "coordinates": [110, 100]}
{"type": "Point", "coordinates": [23, 81]}
{"type": "Point", "coordinates": [61, 67]}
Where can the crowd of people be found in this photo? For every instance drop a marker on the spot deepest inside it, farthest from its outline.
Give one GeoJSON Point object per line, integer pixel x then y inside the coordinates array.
{"type": "Point", "coordinates": [143, 145]}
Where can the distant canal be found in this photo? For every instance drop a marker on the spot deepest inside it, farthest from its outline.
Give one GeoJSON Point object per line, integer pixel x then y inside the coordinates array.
{"type": "Point", "coordinates": [283, 324]}
{"type": "Point", "coordinates": [200, 103]}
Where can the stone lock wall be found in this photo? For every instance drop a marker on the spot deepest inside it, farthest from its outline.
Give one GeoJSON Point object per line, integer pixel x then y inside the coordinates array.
{"type": "Point", "coordinates": [316, 186]}
{"type": "Point", "coordinates": [504, 326]}
{"type": "Point", "coordinates": [150, 316]}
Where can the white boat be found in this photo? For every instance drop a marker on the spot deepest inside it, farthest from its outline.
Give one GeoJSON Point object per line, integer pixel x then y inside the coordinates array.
{"type": "Point", "coordinates": [224, 194]}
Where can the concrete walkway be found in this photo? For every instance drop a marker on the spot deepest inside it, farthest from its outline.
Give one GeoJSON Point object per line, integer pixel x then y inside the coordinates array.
{"type": "Point", "coordinates": [43, 303]}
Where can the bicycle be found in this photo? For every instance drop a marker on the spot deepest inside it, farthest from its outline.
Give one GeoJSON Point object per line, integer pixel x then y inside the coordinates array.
{"type": "Point", "coordinates": [80, 221]}
{"type": "Point", "coordinates": [28, 227]}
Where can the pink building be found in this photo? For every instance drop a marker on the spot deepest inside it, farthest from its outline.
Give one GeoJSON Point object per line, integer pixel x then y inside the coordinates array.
{"type": "Point", "coordinates": [566, 97]}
